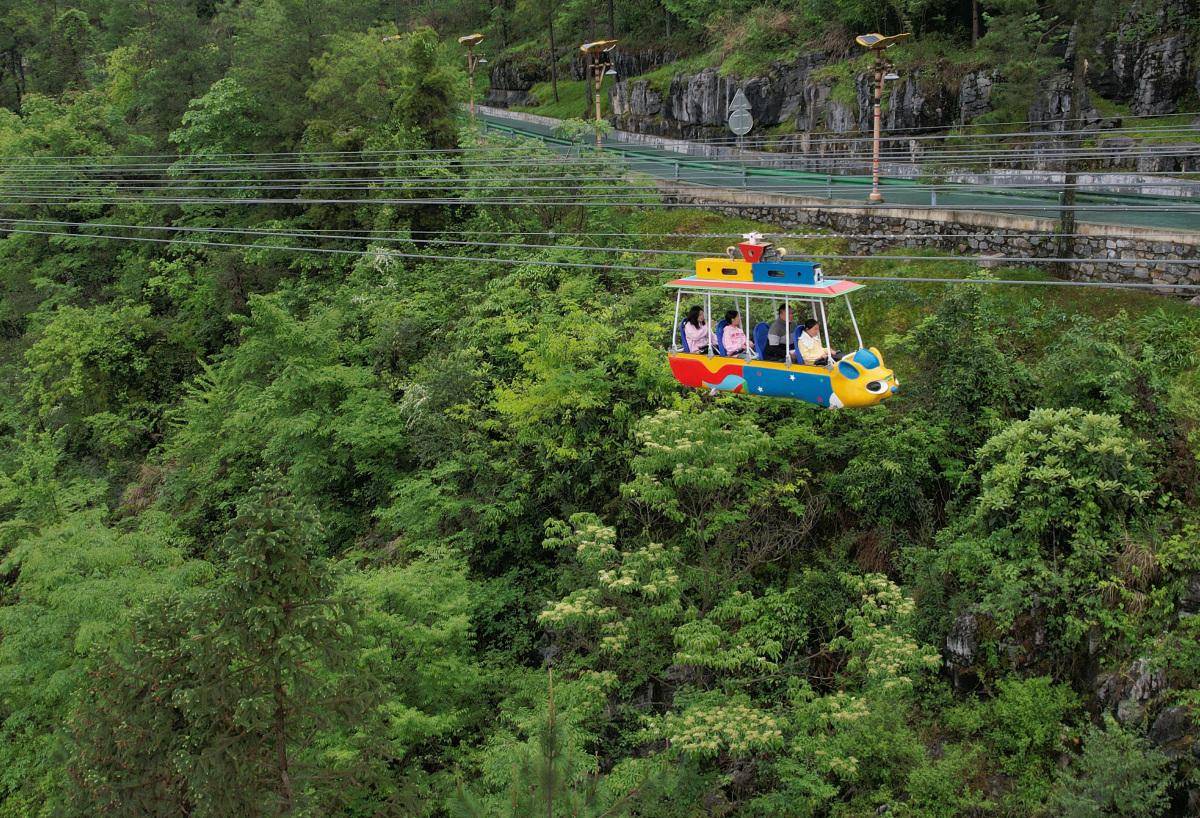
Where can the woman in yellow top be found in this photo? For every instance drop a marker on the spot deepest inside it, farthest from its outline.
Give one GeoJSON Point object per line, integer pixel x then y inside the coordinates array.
{"type": "Point", "coordinates": [809, 348]}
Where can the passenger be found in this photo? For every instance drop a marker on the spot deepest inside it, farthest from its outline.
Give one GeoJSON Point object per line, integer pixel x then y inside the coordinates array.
{"type": "Point", "coordinates": [733, 337]}
{"type": "Point", "coordinates": [810, 349]}
{"type": "Point", "coordinates": [695, 330]}
{"type": "Point", "coordinates": [777, 336]}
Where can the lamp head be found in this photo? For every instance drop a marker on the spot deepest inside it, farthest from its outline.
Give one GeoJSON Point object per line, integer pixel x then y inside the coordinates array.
{"type": "Point", "coordinates": [878, 42]}
{"type": "Point", "coordinates": [598, 47]}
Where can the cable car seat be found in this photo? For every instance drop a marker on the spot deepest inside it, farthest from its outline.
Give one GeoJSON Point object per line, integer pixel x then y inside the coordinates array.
{"type": "Point", "coordinates": [721, 336]}
{"type": "Point", "coordinates": [683, 344]}
{"type": "Point", "coordinates": [761, 331]}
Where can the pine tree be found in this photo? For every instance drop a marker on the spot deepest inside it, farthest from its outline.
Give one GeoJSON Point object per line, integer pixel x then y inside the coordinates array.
{"type": "Point", "coordinates": [215, 706]}
{"type": "Point", "coordinates": [549, 780]}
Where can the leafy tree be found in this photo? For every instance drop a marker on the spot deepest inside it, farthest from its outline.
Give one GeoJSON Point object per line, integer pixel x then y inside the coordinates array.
{"type": "Point", "coordinates": [225, 120]}
{"type": "Point", "coordinates": [391, 92]}
{"type": "Point", "coordinates": [65, 66]}
{"type": "Point", "coordinates": [90, 373]}
{"type": "Point", "coordinates": [38, 488]}
{"type": "Point", "coordinates": [855, 738]}
{"type": "Point", "coordinates": [625, 598]}
{"type": "Point", "coordinates": [1043, 511]}
{"type": "Point", "coordinates": [165, 55]}
{"type": "Point", "coordinates": [1020, 36]}
{"type": "Point", "coordinates": [965, 371]}
{"type": "Point", "coordinates": [292, 397]}
{"type": "Point", "coordinates": [1026, 728]}
{"type": "Point", "coordinates": [275, 43]}
{"type": "Point", "coordinates": [690, 467]}
{"type": "Point", "coordinates": [72, 585]}
{"type": "Point", "coordinates": [1116, 773]}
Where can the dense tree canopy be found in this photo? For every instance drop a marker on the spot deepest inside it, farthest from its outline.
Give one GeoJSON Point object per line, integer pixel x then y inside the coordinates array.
{"type": "Point", "coordinates": [307, 509]}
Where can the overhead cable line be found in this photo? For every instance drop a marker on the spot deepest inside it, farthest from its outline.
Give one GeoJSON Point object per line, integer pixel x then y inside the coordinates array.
{"type": "Point", "coordinates": [598, 200]}
{"type": "Point", "coordinates": [403, 233]}
{"type": "Point", "coordinates": [601, 249]}
{"type": "Point", "coordinates": [593, 266]}
{"type": "Point", "coordinates": [715, 179]}
{"type": "Point", "coordinates": [394, 151]}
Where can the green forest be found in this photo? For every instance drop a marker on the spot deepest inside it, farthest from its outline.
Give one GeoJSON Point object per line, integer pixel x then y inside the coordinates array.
{"type": "Point", "coordinates": [321, 508]}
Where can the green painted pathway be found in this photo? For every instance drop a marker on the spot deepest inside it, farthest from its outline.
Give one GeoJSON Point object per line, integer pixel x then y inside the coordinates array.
{"type": "Point", "coordinates": [1130, 210]}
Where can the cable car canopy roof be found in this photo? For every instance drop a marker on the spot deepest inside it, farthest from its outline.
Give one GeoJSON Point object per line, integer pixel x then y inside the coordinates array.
{"type": "Point", "coordinates": [831, 288]}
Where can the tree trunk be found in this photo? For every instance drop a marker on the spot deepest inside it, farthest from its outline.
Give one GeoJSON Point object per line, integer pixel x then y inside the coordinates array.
{"type": "Point", "coordinates": [1065, 244]}
{"type": "Point", "coordinates": [503, 5]}
{"type": "Point", "coordinates": [550, 766]}
{"type": "Point", "coordinates": [553, 52]}
{"type": "Point", "coordinates": [974, 23]}
{"type": "Point", "coordinates": [612, 21]}
{"type": "Point", "coordinates": [281, 755]}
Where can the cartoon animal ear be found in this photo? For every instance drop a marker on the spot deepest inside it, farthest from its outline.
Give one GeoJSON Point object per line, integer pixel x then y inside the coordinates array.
{"type": "Point", "coordinates": [850, 369]}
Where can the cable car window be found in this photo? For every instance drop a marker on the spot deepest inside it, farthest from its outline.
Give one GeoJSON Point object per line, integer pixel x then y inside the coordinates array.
{"type": "Point", "coordinates": [729, 271]}
{"type": "Point", "coordinates": [776, 273]}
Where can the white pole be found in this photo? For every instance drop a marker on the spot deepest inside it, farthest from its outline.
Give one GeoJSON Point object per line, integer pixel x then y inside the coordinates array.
{"type": "Point", "coordinates": [675, 340]}
{"type": "Point", "coordinates": [857, 334]}
{"type": "Point", "coordinates": [747, 327]}
{"type": "Point", "coordinates": [825, 330]}
{"type": "Point", "coordinates": [787, 331]}
{"type": "Point", "coordinates": [708, 321]}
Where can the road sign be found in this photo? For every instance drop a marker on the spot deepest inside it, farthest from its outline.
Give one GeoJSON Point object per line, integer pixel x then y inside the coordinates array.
{"type": "Point", "coordinates": [740, 121]}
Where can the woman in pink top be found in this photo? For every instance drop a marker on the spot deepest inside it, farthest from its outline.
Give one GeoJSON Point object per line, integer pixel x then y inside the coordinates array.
{"type": "Point", "coordinates": [695, 330]}
{"type": "Point", "coordinates": [733, 338]}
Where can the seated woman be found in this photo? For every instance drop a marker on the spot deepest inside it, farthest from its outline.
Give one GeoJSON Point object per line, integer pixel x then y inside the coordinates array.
{"type": "Point", "coordinates": [734, 339]}
{"type": "Point", "coordinates": [809, 348]}
{"type": "Point", "coordinates": [695, 331]}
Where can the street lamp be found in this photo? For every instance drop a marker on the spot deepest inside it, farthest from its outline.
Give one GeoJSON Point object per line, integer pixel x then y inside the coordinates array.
{"type": "Point", "coordinates": [878, 43]}
{"type": "Point", "coordinates": [598, 52]}
{"type": "Point", "coordinates": [470, 41]}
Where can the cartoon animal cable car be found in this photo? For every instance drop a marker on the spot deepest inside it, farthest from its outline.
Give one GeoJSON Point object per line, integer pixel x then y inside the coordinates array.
{"type": "Point", "coordinates": [859, 378]}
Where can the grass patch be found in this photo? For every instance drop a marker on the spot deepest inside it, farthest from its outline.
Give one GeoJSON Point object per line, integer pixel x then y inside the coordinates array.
{"type": "Point", "coordinates": [660, 78]}
{"type": "Point", "coordinates": [572, 100]}
{"type": "Point", "coordinates": [841, 75]}
{"type": "Point", "coordinates": [1148, 131]}
{"type": "Point", "coordinates": [750, 42]}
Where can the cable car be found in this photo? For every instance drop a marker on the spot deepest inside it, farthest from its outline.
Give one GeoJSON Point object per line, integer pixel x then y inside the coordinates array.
{"type": "Point", "coordinates": [757, 271]}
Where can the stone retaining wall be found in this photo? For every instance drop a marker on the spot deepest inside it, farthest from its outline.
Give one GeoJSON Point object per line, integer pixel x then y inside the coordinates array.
{"type": "Point", "coordinates": [992, 236]}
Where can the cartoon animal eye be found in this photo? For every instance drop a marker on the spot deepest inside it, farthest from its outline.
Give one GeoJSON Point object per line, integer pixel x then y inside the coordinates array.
{"type": "Point", "coordinates": [877, 387]}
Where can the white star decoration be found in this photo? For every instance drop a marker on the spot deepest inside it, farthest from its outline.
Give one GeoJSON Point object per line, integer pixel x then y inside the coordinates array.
{"type": "Point", "coordinates": [791, 377]}
{"type": "Point", "coordinates": [760, 389]}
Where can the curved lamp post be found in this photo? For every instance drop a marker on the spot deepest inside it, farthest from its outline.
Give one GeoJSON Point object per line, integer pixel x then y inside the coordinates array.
{"type": "Point", "coordinates": [878, 43]}
{"type": "Point", "coordinates": [601, 67]}
{"type": "Point", "coordinates": [473, 60]}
